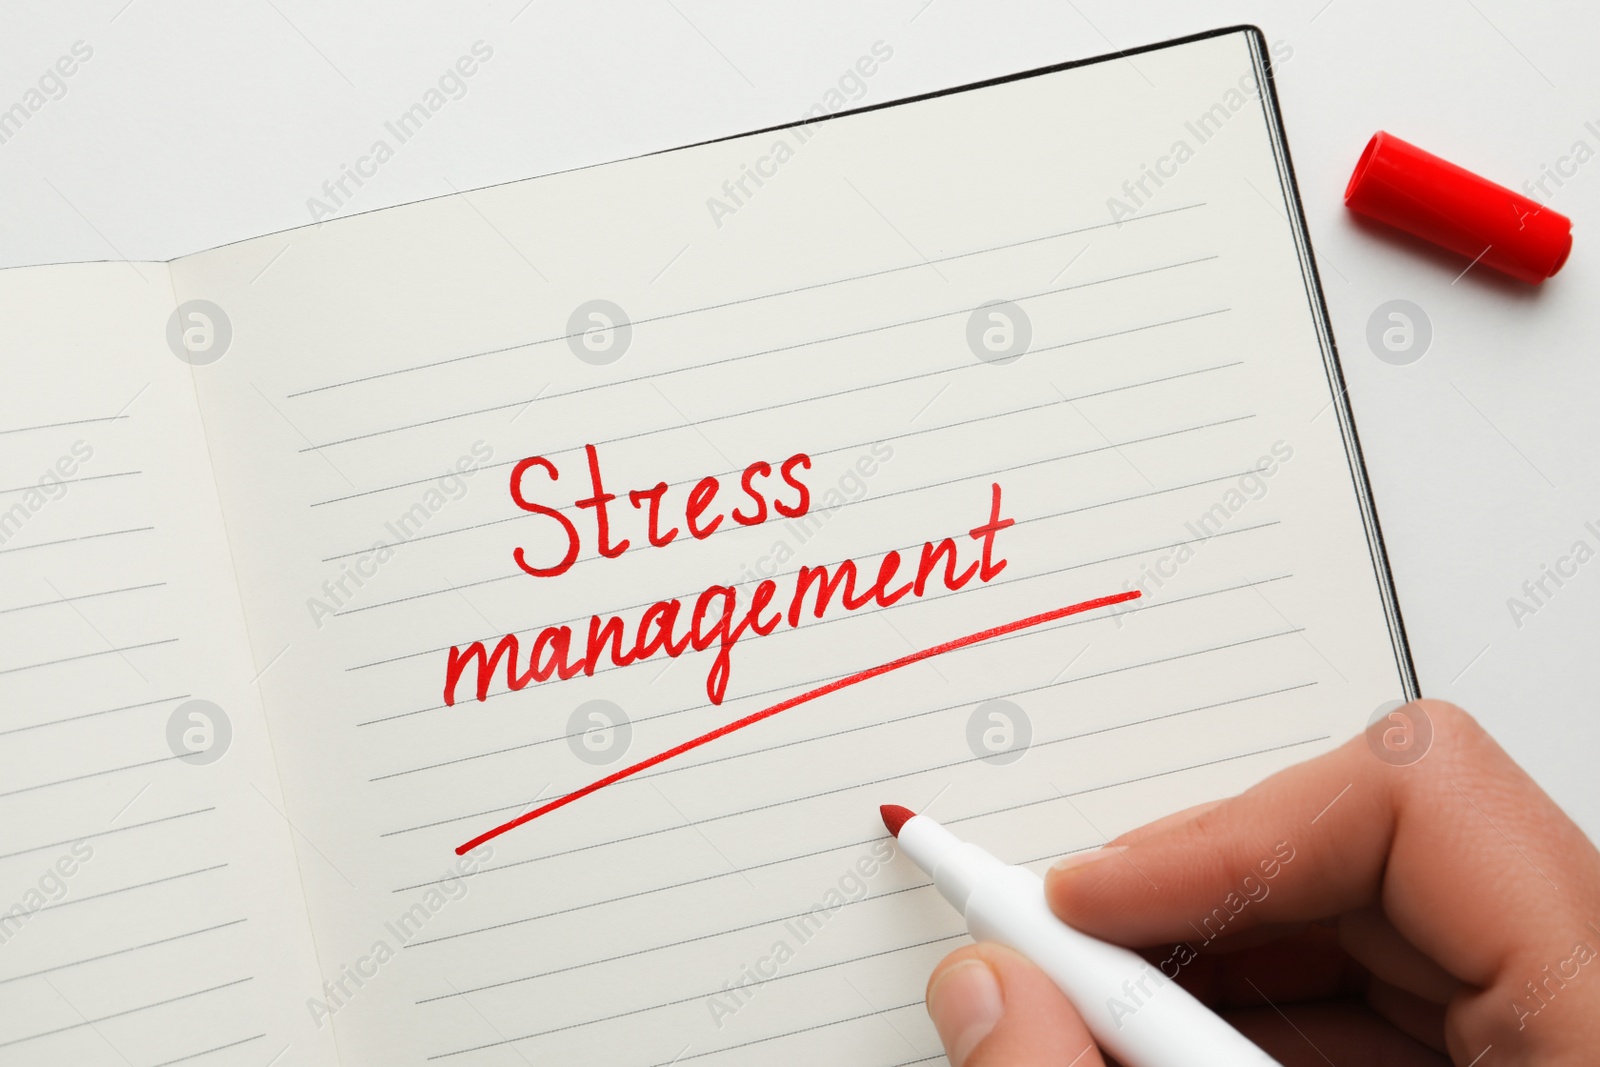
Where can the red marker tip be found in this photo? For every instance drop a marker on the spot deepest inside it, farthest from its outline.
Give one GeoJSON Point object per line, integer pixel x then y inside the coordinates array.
{"type": "Point", "coordinates": [894, 817]}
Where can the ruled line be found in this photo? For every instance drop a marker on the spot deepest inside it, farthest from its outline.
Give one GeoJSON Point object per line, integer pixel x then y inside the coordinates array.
{"type": "Point", "coordinates": [662, 947]}
{"type": "Point", "coordinates": [975, 365]}
{"type": "Point", "coordinates": [47, 487]}
{"type": "Point", "coordinates": [93, 714]}
{"type": "Point", "coordinates": [700, 996]}
{"type": "Point", "coordinates": [1134, 781]}
{"type": "Point", "coordinates": [872, 1014]}
{"type": "Point", "coordinates": [81, 596]}
{"type": "Point", "coordinates": [719, 990]}
{"type": "Point", "coordinates": [131, 888]}
{"type": "Point", "coordinates": [574, 909]}
{"type": "Point", "coordinates": [125, 1013]}
{"type": "Point", "coordinates": [209, 1051]}
{"type": "Point", "coordinates": [91, 774]}
{"type": "Point", "coordinates": [97, 834]}
{"type": "Point", "coordinates": [84, 537]}
{"type": "Point", "coordinates": [122, 951]}
{"type": "Point", "coordinates": [58, 425]}
{"type": "Point", "coordinates": [745, 300]}
{"type": "Point", "coordinates": [89, 655]}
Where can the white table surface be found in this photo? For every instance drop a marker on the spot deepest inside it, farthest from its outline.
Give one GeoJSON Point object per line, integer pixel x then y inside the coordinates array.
{"type": "Point", "coordinates": [196, 123]}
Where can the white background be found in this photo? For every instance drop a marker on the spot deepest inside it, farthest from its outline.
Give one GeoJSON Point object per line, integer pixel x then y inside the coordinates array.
{"type": "Point", "coordinates": [200, 122]}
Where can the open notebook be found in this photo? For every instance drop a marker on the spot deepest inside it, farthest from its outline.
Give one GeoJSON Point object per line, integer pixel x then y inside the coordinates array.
{"type": "Point", "coordinates": [1068, 321]}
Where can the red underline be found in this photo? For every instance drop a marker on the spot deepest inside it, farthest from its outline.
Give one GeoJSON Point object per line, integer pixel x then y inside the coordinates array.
{"type": "Point", "coordinates": [795, 701]}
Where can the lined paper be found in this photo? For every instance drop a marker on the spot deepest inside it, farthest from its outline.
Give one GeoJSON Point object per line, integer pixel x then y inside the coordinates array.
{"type": "Point", "coordinates": [150, 911]}
{"type": "Point", "coordinates": [1171, 428]}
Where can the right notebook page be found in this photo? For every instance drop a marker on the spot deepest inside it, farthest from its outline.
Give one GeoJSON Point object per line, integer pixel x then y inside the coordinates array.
{"type": "Point", "coordinates": [1072, 311]}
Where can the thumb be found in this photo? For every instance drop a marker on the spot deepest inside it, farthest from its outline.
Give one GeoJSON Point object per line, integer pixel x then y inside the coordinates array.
{"type": "Point", "coordinates": [993, 1008]}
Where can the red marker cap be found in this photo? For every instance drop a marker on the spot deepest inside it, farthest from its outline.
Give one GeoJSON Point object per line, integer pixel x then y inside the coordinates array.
{"type": "Point", "coordinates": [1416, 191]}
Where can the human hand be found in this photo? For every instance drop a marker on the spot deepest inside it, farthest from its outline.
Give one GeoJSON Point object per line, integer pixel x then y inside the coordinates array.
{"type": "Point", "coordinates": [1344, 911]}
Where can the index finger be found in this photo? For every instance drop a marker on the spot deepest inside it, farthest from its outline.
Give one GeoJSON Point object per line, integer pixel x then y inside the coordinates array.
{"type": "Point", "coordinates": [1470, 860]}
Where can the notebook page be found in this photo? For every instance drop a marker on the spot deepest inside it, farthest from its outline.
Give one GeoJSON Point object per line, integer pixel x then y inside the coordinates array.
{"type": "Point", "coordinates": [150, 911]}
{"type": "Point", "coordinates": [1150, 409]}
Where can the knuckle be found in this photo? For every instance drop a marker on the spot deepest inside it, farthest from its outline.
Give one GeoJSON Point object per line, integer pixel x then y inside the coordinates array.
{"type": "Point", "coordinates": [1209, 825]}
{"type": "Point", "coordinates": [1454, 730]}
{"type": "Point", "coordinates": [1460, 745]}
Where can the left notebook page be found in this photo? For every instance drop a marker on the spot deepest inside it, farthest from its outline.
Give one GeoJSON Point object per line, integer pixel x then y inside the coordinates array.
{"type": "Point", "coordinates": [150, 909]}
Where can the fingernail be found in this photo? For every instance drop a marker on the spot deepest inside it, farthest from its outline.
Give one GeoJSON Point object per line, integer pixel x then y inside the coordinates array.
{"type": "Point", "coordinates": [1083, 859]}
{"type": "Point", "coordinates": [965, 1004]}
